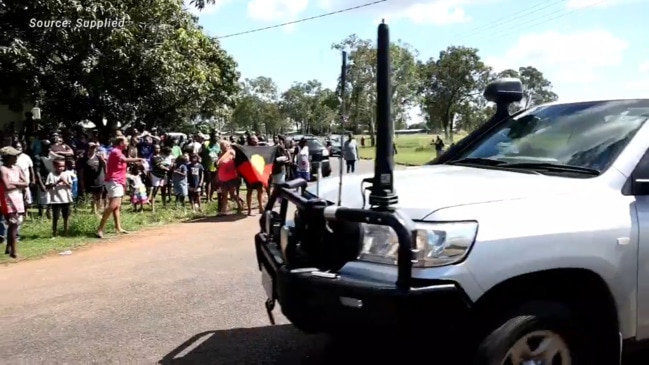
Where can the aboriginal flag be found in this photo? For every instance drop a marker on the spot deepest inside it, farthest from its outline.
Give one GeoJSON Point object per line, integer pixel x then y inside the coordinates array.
{"type": "Point", "coordinates": [255, 163]}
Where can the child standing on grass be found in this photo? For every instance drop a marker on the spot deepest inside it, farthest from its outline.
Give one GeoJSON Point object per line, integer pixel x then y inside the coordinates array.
{"type": "Point", "coordinates": [195, 176]}
{"type": "Point", "coordinates": [11, 196]}
{"type": "Point", "coordinates": [59, 186]}
{"type": "Point", "coordinates": [71, 169]}
{"type": "Point", "coordinates": [179, 180]}
{"type": "Point", "coordinates": [138, 189]}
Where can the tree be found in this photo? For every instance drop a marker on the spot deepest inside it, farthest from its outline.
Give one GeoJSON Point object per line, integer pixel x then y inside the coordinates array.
{"type": "Point", "coordinates": [258, 108]}
{"type": "Point", "coordinates": [158, 66]}
{"type": "Point", "coordinates": [451, 85]}
{"type": "Point", "coordinates": [310, 107]}
{"type": "Point", "coordinates": [360, 98]}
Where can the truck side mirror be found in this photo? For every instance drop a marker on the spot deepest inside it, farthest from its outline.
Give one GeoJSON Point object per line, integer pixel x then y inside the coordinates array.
{"type": "Point", "coordinates": [504, 91]}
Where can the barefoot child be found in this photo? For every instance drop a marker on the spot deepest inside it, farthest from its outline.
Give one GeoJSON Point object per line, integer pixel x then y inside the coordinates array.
{"type": "Point", "coordinates": [138, 189]}
{"type": "Point", "coordinates": [59, 186]}
{"type": "Point", "coordinates": [195, 176]}
{"type": "Point", "coordinates": [12, 203]}
{"type": "Point", "coordinates": [179, 180]}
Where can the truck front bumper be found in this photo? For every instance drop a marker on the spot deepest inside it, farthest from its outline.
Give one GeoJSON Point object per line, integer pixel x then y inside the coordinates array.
{"type": "Point", "coordinates": [322, 302]}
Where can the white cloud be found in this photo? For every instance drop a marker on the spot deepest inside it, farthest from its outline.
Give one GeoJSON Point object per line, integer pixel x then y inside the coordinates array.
{"type": "Point", "coordinates": [208, 9]}
{"type": "Point", "coordinates": [638, 87]}
{"type": "Point", "coordinates": [583, 4]}
{"type": "Point", "coordinates": [644, 67]}
{"type": "Point", "coordinates": [573, 58]}
{"type": "Point", "coordinates": [441, 12]}
{"type": "Point", "coordinates": [437, 12]}
{"type": "Point", "coordinates": [276, 10]}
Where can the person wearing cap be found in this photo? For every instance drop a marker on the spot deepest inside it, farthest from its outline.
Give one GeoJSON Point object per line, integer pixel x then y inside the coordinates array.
{"type": "Point", "coordinates": [115, 184]}
{"type": "Point", "coordinates": [12, 201]}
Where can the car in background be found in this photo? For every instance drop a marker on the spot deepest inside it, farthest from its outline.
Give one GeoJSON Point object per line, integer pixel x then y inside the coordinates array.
{"type": "Point", "coordinates": [336, 149]}
{"type": "Point", "coordinates": [318, 154]}
{"type": "Point", "coordinates": [180, 137]}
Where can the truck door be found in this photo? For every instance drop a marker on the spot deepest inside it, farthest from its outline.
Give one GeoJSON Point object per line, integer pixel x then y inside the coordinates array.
{"type": "Point", "coordinates": [638, 186]}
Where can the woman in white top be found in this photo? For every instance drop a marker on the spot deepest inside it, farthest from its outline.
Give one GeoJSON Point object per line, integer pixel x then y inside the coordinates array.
{"type": "Point", "coordinates": [26, 165]}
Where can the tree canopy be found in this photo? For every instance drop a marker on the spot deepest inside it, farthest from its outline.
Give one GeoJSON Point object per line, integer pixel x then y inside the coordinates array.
{"type": "Point", "coordinates": [447, 88]}
{"type": "Point", "coordinates": [157, 67]}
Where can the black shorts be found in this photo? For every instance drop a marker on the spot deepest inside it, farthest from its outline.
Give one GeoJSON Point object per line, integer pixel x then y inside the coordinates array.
{"type": "Point", "coordinates": [208, 176]}
{"type": "Point", "coordinates": [254, 186]}
{"type": "Point", "coordinates": [96, 189]}
{"type": "Point", "coordinates": [61, 210]}
{"type": "Point", "coordinates": [231, 184]}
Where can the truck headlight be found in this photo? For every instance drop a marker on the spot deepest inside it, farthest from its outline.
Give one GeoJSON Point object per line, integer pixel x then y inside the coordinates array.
{"type": "Point", "coordinates": [325, 153]}
{"type": "Point", "coordinates": [436, 244]}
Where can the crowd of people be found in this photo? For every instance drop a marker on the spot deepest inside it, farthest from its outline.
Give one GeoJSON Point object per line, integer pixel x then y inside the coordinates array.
{"type": "Point", "coordinates": [49, 174]}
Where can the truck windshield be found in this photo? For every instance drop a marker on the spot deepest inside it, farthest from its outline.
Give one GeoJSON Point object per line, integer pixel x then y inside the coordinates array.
{"type": "Point", "coordinates": [586, 135]}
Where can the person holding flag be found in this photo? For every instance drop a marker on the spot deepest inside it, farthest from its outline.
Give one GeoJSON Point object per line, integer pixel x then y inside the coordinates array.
{"type": "Point", "coordinates": [228, 178]}
{"type": "Point", "coordinates": [255, 165]}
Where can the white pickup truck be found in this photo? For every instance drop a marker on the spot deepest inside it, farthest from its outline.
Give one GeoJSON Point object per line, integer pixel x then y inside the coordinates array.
{"type": "Point", "coordinates": [532, 235]}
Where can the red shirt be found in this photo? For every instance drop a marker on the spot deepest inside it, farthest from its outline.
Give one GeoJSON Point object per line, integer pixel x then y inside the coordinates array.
{"type": "Point", "coordinates": [116, 167]}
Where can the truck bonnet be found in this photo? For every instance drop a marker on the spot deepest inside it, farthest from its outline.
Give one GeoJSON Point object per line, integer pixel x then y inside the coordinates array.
{"type": "Point", "coordinates": [425, 189]}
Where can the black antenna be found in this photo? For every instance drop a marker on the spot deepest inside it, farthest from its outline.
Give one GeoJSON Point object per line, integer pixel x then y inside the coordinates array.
{"type": "Point", "coordinates": [341, 98]}
{"type": "Point", "coordinates": [382, 194]}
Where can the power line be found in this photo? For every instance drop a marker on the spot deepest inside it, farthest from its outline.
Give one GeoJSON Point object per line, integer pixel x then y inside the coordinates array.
{"type": "Point", "coordinates": [538, 21]}
{"type": "Point", "coordinates": [303, 19]}
{"type": "Point", "coordinates": [516, 16]}
{"type": "Point", "coordinates": [523, 13]}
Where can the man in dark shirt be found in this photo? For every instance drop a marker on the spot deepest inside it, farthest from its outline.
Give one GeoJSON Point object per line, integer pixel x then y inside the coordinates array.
{"type": "Point", "coordinates": [145, 148]}
{"type": "Point", "coordinates": [42, 167]}
{"type": "Point", "coordinates": [61, 148]}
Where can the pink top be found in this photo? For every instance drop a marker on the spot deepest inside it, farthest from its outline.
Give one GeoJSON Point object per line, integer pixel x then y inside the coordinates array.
{"type": "Point", "coordinates": [227, 169]}
{"type": "Point", "coordinates": [12, 200]}
{"type": "Point", "coordinates": [116, 167]}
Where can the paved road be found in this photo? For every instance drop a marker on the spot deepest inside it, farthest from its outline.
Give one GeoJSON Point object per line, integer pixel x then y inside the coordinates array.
{"type": "Point", "coordinates": [181, 294]}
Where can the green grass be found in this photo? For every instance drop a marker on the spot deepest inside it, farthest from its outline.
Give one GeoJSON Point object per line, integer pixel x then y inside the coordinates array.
{"type": "Point", "coordinates": [36, 233]}
{"type": "Point", "coordinates": [413, 149]}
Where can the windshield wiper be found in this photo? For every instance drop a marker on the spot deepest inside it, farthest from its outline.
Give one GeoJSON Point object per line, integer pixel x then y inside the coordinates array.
{"type": "Point", "coordinates": [552, 167]}
{"type": "Point", "coordinates": [477, 161]}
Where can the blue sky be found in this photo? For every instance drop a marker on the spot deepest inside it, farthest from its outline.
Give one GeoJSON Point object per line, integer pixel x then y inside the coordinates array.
{"type": "Point", "coordinates": [587, 48]}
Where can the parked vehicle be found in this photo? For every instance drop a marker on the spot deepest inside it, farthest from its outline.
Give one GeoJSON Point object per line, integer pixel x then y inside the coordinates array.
{"type": "Point", "coordinates": [525, 243]}
{"type": "Point", "coordinates": [335, 140]}
{"type": "Point", "coordinates": [181, 137]}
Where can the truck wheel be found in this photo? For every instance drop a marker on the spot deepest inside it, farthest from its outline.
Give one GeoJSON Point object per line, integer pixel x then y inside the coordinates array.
{"type": "Point", "coordinates": [537, 333]}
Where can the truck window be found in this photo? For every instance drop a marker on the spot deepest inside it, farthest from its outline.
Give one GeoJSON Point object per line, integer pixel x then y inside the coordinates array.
{"type": "Point", "coordinates": [590, 134]}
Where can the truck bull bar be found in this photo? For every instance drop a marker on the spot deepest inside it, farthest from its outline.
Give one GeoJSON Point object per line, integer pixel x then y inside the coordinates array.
{"type": "Point", "coordinates": [312, 207]}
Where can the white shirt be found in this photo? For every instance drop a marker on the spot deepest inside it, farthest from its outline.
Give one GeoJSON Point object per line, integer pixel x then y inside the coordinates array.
{"type": "Point", "coordinates": [24, 163]}
{"type": "Point", "coordinates": [196, 147]}
{"type": "Point", "coordinates": [303, 163]}
{"type": "Point", "coordinates": [60, 194]}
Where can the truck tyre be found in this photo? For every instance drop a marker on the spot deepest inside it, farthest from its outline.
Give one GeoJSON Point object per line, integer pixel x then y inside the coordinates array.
{"type": "Point", "coordinates": [544, 331]}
